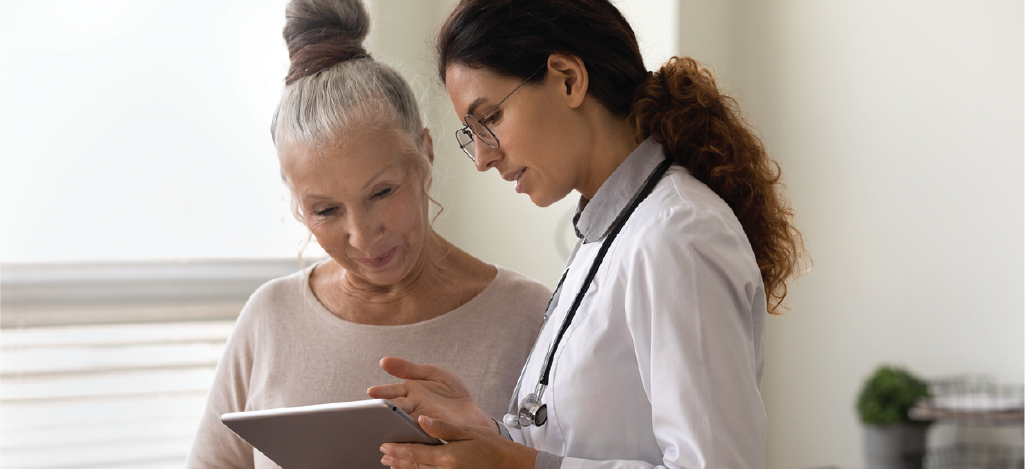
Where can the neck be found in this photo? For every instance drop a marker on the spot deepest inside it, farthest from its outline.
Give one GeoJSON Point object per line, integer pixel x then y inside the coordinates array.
{"type": "Point", "coordinates": [612, 139]}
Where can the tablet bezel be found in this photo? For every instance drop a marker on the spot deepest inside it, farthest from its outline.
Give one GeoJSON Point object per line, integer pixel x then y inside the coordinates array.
{"type": "Point", "coordinates": [342, 434]}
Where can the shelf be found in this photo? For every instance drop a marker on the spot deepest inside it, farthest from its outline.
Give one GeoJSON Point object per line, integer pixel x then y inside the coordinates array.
{"type": "Point", "coordinates": [972, 399]}
{"type": "Point", "coordinates": [924, 411]}
{"type": "Point", "coordinates": [976, 456]}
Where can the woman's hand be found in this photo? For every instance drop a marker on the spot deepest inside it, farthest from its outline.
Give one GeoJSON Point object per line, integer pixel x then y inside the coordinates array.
{"type": "Point", "coordinates": [430, 391]}
{"type": "Point", "coordinates": [468, 447]}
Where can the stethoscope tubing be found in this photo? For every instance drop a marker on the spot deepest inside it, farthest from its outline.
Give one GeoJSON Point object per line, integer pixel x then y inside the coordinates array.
{"type": "Point", "coordinates": [513, 404]}
{"type": "Point", "coordinates": [646, 190]}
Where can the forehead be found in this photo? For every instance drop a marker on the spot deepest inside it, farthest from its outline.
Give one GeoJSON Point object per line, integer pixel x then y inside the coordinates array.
{"type": "Point", "coordinates": [345, 164]}
{"type": "Point", "coordinates": [471, 88]}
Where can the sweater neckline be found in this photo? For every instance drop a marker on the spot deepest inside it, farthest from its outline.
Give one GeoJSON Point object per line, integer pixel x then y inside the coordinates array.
{"type": "Point", "coordinates": [318, 309]}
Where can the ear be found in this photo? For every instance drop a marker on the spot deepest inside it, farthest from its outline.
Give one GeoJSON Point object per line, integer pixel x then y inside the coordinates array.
{"type": "Point", "coordinates": [429, 145]}
{"type": "Point", "coordinates": [571, 73]}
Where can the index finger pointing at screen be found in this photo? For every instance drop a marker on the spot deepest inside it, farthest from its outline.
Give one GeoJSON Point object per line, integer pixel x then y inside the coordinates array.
{"type": "Point", "coordinates": [387, 391]}
{"type": "Point", "coordinates": [405, 369]}
{"type": "Point", "coordinates": [430, 390]}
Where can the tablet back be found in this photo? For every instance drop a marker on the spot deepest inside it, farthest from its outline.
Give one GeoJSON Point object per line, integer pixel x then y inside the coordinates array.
{"type": "Point", "coordinates": [340, 435]}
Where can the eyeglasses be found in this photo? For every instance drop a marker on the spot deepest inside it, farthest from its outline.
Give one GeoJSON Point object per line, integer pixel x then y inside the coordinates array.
{"type": "Point", "coordinates": [475, 126]}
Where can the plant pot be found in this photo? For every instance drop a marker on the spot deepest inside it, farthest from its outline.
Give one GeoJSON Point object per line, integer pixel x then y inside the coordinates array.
{"type": "Point", "coordinates": [900, 446]}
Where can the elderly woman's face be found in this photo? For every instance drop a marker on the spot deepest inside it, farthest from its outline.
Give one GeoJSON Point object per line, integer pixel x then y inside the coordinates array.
{"type": "Point", "coordinates": [364, 201]}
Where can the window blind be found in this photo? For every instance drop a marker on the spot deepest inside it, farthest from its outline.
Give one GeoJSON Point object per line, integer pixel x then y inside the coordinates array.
{"type": "Point", "coordinates": [109, 365]}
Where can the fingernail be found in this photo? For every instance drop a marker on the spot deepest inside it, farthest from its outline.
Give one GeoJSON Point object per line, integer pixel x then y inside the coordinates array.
{"type": "Point", "coordinates": [386, 461]}
{"type": "Point", "coordinates": [428, 420]}
{"type": "Point", "coordinates": [383, 450]}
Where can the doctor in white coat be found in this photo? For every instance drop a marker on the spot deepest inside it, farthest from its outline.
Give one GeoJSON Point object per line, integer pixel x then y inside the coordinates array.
{"type": "Point", "coordinates": [652, 349]}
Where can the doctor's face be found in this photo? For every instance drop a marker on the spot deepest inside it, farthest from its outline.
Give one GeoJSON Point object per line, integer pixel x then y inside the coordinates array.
{"type": "Point", "coordinates": [363, 199]}
{"type": "Point", "coordinates": [537, 149]}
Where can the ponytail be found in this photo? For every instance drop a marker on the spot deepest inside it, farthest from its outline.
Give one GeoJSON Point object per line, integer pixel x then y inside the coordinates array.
{"type": "Point", "coordinates": [703, 131]}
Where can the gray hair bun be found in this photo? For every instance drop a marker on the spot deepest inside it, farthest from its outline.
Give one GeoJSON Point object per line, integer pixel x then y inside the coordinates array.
{"type": "Point", "coordinates": [322, 33]}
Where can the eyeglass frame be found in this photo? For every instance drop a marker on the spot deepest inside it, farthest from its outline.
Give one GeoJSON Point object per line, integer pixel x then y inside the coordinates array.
{"type": "Point", "coordinates": [467, 129]}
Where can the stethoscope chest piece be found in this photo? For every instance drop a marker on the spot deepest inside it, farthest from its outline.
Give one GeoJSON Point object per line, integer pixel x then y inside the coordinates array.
{"type": "Point", "coordinates": [532, 411]}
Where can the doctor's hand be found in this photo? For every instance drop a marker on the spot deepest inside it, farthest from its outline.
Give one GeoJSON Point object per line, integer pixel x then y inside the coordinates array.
{"type": "Point", "coordinates": [468, 447]}
{"type": "Point", "coordinates": [430, 391]}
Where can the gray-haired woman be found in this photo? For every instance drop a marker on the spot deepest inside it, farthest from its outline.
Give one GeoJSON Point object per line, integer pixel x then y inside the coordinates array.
{"type": "Point", "coordinates": [357, 159]}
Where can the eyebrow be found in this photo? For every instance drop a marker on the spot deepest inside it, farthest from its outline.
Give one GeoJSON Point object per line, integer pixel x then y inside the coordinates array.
{"type": "Point", "coordinates": [374, 179]}
{"type": "Point", "coordinates": [473, 106]}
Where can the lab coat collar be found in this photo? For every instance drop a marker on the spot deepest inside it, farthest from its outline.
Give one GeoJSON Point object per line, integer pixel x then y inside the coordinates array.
{"type": "Point", "coordinates": [594, 218]}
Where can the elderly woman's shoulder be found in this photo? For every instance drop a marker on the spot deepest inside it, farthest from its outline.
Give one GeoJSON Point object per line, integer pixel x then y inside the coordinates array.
{"type": "Point", "coordinates": [517, 288]}
{"type": "Point", "coordinates": [278, 296]}
{"type": "Point", "coordinates": [282, 288]}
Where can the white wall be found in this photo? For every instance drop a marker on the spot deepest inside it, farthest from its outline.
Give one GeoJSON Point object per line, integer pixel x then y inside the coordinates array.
{"type": "Point", "coordinates": [139, 130]}
{"type": "Point", "coordinates": [899, 127]}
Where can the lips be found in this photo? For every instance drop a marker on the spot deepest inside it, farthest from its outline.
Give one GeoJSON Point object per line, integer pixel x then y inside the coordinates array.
{"type": "Point", "coordinates": [378, 261]}
{"type": "Point", "coordinates": [516, 176]}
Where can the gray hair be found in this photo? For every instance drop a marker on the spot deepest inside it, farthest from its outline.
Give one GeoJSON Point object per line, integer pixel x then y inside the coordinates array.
{"type": "Point", "coordinates": [334, 87]}
{"type": "Point", "coordinates": [319, 108]}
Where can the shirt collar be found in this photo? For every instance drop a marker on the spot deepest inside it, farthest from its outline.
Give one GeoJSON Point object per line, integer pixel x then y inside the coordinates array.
{"type": "Point", "coordinates": [595, 217]}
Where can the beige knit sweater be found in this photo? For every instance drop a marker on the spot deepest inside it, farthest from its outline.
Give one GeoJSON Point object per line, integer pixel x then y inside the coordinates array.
{"type": "Point", "coordinates": [288, 350]}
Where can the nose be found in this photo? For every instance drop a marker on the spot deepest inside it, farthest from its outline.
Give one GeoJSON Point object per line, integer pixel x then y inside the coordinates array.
{"type": "Point", "coordinates": [485, 157]}
{"type": "Point", "coordinates": [364, 231]}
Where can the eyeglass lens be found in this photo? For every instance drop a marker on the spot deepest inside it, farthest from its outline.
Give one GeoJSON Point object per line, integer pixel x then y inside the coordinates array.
{"type": "Point", "coordinates": [465, 139]}
{"type": "Point", "coordinates": [481, 131]}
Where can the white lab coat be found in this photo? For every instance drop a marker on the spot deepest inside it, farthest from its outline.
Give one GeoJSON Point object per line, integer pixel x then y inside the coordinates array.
{"type": "Point", "coordinates": [662, 363]}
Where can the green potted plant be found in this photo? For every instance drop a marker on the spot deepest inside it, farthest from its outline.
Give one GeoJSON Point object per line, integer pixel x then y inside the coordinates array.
{"type": "Point", "coordinates": [892, 440]}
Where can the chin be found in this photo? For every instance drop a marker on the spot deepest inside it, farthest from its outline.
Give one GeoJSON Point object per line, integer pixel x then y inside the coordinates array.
{"type": "Point", "coordinates": [543, 200]}
{"type": "Point", "coordinates": [385, 278]}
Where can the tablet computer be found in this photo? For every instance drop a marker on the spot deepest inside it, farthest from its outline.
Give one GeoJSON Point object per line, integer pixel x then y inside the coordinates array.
{"type": "Point", "coordinates": [344, 434]}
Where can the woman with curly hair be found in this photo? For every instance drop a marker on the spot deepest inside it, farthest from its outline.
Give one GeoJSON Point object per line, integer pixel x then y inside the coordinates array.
{"type": "Point", "coordinates": [652, 350]}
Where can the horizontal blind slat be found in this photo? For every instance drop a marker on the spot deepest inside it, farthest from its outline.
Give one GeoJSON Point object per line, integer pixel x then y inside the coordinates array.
{"type": "Point", "coordinates": [79, 360]}
{"type": "Point", "coordinates": [113, 396]}
{"type": "Point", "coordinates": [108, 365]}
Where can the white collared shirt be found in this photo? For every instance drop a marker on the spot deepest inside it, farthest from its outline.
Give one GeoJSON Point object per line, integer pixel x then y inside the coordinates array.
{"type": "Point", "coordinates": [662, 363]}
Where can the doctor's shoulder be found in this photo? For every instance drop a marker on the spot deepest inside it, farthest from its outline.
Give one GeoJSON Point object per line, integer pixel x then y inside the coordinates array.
{"type": "Point", "coordinates": [683, 216]}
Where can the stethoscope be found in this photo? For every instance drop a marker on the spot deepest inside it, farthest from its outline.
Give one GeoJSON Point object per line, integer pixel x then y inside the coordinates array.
{"type": "Point", "coordinates": [532, 411]}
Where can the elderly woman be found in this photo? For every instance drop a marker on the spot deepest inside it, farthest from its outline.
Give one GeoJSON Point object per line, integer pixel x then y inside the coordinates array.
{"type": "Point", "coordinates": [357, 159]}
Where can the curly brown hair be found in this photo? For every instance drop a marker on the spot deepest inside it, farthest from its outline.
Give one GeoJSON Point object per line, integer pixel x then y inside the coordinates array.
{"type": "Point", "coordinates": [681, 107]}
